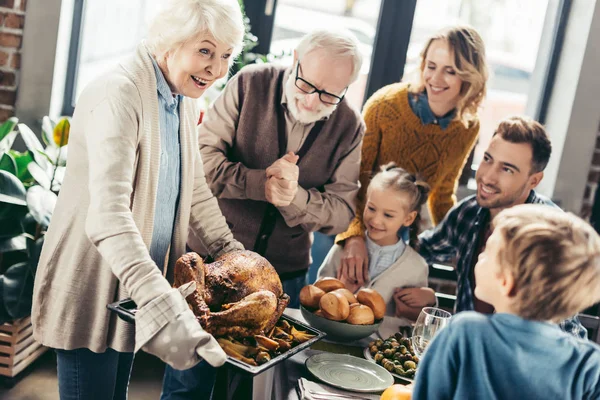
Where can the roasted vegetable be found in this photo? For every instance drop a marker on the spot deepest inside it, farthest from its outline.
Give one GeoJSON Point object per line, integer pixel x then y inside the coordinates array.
{"type": "Point", "coordinates": [388, 353]}
{"type": "Point", "coordinates": [262, 348]}
{"type": "Point", "coordinates": [410, 365]}
{"type": "Point", "coordinates": [267, 343]}
{"type": "Point", "coordinates": [300, 336]}
{"type": "Point", "coordinates": [263, 357]}
{"type": "Point", "coordinates": [399, 370]}
{"type": "Point", "coordinates": [396, 355]}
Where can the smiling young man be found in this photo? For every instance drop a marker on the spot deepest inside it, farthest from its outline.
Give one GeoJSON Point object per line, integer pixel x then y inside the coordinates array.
{"type": "Point", "coordinates": [512, 167]}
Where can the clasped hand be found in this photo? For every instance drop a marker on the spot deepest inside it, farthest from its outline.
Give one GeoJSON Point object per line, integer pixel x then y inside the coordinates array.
{"type": "Point", "coordinates": [282, 181]}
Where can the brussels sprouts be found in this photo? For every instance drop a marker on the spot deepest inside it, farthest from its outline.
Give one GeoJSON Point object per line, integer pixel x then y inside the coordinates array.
{"type": "Point", "coordinates": [403, 349]}
{"type": "Point", "coordinates": [410, 365]}
{"type": "Point", "coordinates": [373, 350]}
{"type": "Point", "coordinates": [378, 357]}
{"type": "Point", "coordinates": [389, 353]}
{"type": "Point", "coordinates": [398, 370]}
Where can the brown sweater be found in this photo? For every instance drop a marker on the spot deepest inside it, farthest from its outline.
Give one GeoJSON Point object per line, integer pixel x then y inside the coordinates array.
{"type": "Point", "coordinates": [257, 142]}
{"type": "Point", "coordinates": [395, 133]}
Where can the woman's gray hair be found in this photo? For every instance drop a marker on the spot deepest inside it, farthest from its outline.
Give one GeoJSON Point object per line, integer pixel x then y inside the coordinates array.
{"type": "Point", "coordinates": [183, 20]}
{"type": "Point", "coordinates": [338, 43]}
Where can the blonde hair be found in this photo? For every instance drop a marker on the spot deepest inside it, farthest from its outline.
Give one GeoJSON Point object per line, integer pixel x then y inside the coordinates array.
{"type": "Point", "coordinates": [398, 179]}
{"type": "Point", "coordinates": [339, 43]}
{"type": "Point", "coordinates": [183, 20]}
{"type": "Point", "coordinates": [554, 258]}
{"type": "Point", "coordinates": [471, 67]}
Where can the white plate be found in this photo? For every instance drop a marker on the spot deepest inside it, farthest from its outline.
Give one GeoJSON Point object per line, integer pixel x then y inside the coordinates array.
{"type": "Point", "coordinates": [350, 373]}
{"type": "Point", "coordinates": [369, 357]}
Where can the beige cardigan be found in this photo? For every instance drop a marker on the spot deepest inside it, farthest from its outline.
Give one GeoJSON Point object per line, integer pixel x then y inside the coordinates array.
{"type": "Point", "coordinates": [96, 249]}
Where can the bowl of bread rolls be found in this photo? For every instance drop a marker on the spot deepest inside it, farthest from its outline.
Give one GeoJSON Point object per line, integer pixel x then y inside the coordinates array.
{"type": "Point", "coordinates": [329, 306]}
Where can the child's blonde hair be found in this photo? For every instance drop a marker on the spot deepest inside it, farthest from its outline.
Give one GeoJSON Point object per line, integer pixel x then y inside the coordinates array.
{"type": "Point", "coordinates": [554, 258]}
{"type": "Point", "coordinates": [394, 177]}
{"type": "Point", "coordinates": [471, 67]}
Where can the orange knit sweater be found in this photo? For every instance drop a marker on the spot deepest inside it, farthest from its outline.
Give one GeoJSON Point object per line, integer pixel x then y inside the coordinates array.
{"type": "Point", "coordinates": [395, 133]}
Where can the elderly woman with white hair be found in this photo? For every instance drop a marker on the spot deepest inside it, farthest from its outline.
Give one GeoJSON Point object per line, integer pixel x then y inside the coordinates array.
{"type": "Point", "coordinates": [134, 186]}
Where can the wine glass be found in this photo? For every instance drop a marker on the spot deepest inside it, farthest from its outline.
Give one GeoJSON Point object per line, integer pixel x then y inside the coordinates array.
{"type": "Point", "coordinates": [431, 320]}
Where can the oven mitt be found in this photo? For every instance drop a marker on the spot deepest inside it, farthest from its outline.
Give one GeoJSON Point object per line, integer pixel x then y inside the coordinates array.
{"type": "Point", "coordinates": [167, 328]}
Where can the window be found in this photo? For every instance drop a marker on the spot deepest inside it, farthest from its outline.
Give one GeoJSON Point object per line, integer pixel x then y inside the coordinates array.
{"type": "Point", "coordinates": [109, 30]}
{"type": "Point", "coordinates": [296, 18]}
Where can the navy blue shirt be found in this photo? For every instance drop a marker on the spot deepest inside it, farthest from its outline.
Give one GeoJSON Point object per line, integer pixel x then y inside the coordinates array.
{"type": "Point", "coordinates": [169, 178]}
{"type": "Point", "coordinates": [503, 356]}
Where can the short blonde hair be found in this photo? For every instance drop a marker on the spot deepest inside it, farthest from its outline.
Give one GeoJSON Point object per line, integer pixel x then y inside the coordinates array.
{"type": "Point", "coordinates": [471, 67]}
{"type": "Point", "coordinates": [183, 20]}
{"type": "Point", "coordinates": [339, 43]}
{"type": "Point", "coordinates": [554, 258]}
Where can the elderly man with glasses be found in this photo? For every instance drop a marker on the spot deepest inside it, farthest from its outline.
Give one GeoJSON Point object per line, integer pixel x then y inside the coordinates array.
{"type": "Point", "coordinates": [281, 152]}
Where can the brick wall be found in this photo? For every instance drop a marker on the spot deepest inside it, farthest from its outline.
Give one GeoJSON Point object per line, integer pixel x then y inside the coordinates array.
{"type": "Point", "coordinates": [12, 20]}
{"type": "Point", "coordinates": [593, 179]}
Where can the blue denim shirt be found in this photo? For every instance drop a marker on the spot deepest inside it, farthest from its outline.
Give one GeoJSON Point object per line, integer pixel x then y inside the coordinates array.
{"type": "Point", "coordinates": [169, 178]}
{"type": "Point", "coordinates": [420, 106]}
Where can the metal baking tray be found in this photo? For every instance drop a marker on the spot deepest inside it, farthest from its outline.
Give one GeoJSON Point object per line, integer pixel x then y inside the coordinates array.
{"type": "Point", "coordinates": [127, 308]}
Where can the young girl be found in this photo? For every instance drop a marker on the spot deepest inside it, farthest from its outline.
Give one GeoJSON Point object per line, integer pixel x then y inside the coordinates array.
{"type": "Point", "coordinates": [396, 271]}
{"type": "Point", "coordinates": [427, 127]}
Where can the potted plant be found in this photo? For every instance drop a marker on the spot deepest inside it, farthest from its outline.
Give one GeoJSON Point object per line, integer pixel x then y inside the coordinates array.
{"type": "Point", "coordinates": [29, 184]}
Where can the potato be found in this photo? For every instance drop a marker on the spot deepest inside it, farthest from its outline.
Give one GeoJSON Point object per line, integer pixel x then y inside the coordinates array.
{"type": "Point", "coordinates": [328, 284]}
{"type": "Point", "coordinates": [374, 300]}
{"type": "Point", "coordinates": [310, 295]}
{"type": "Point", "coordinates": [335, 306]}
{"type": "Point", "coordinates": [361, 315]}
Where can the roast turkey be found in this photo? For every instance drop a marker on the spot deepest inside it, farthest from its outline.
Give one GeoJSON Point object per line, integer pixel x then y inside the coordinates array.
{"type": "Point", "coordinates": [238, 295]}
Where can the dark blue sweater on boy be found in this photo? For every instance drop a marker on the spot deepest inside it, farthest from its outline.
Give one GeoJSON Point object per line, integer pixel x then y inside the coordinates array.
{"type": "Point", "coordinates": [503, 356]}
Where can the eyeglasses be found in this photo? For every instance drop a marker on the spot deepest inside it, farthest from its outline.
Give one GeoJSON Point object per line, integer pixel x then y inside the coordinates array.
{"type": "Point", "coordinates": [309, 88]}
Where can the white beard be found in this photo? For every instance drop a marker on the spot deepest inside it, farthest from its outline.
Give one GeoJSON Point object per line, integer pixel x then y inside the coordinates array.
{"type": "Point", "coordinates": [293, 95]}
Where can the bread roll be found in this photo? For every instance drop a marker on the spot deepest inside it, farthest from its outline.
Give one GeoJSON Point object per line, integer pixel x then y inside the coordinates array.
{"type": "Point", "coordinates": [319, 313]}
{"type": "Point", "coordinates": [328, 284]}
{"type": "Point", "coordinates": [354, 305]}
{"type": "Point", "coordinates": [335, 306]}
{"type": "Point", "coordinates": [347, 294]}
{"type": "Point", "coordinates": [361, 315]}
{"type": "Point", "coordinates": [373, 299]}
{"type": "Point", "coordinates": [310, 296]}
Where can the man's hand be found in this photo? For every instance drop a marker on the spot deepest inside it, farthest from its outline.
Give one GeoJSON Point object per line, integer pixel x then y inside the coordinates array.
{"type": "Point", "coordinates": [282, 181]}
{"type": "Point", "coordinates": [415, 297]}
{"type": "Point", "coordinates": [285, 168]}
{"type": "Point", "coordinates": [354, 270]}
{"type": "Point", "coordinates": [280, 192]}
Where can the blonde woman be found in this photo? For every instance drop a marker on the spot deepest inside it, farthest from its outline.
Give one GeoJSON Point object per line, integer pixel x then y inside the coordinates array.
{"type": "Point", "coordinates": [134, 185]}
{"type": "Point", "coordinates": [427, 127]}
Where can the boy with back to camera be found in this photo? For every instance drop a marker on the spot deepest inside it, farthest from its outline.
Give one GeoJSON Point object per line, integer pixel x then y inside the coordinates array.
{"type": "Point", "coordinates": [540, 265]}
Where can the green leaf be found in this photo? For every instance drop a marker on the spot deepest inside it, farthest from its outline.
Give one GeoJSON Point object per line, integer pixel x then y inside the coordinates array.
{"type": "Point", "coordinates": [22, 160]}
{"type": "Point", "coordinates": [10, 227]}
{"type": "Point", "coordinates": [47, 131]}
{"type": "Point", "coordinates": [12, 190]}
{"type": "Point", "coordinates": [8, 164]}
{"type": "Point", "coordinates": [4, 316]}
{"type": "Point", "coordinates": [34, 146]}
{"type": "Point", "coordinates": [10, 211]}
{"type": "Point", "coordinates": [41, 204]}
{"type": "Point", "coordinates": [39, 174]}
{"type": "Point", "coordinates": [7, 142]}
{"type": "Point", "coordinates": [34, 250]}
{"type": "Point", "coordinates": [8, 126]}
{"type": "Point", "coordinates": [16, 243]}
{"type": "Point", "coordinates": [17, 290]}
